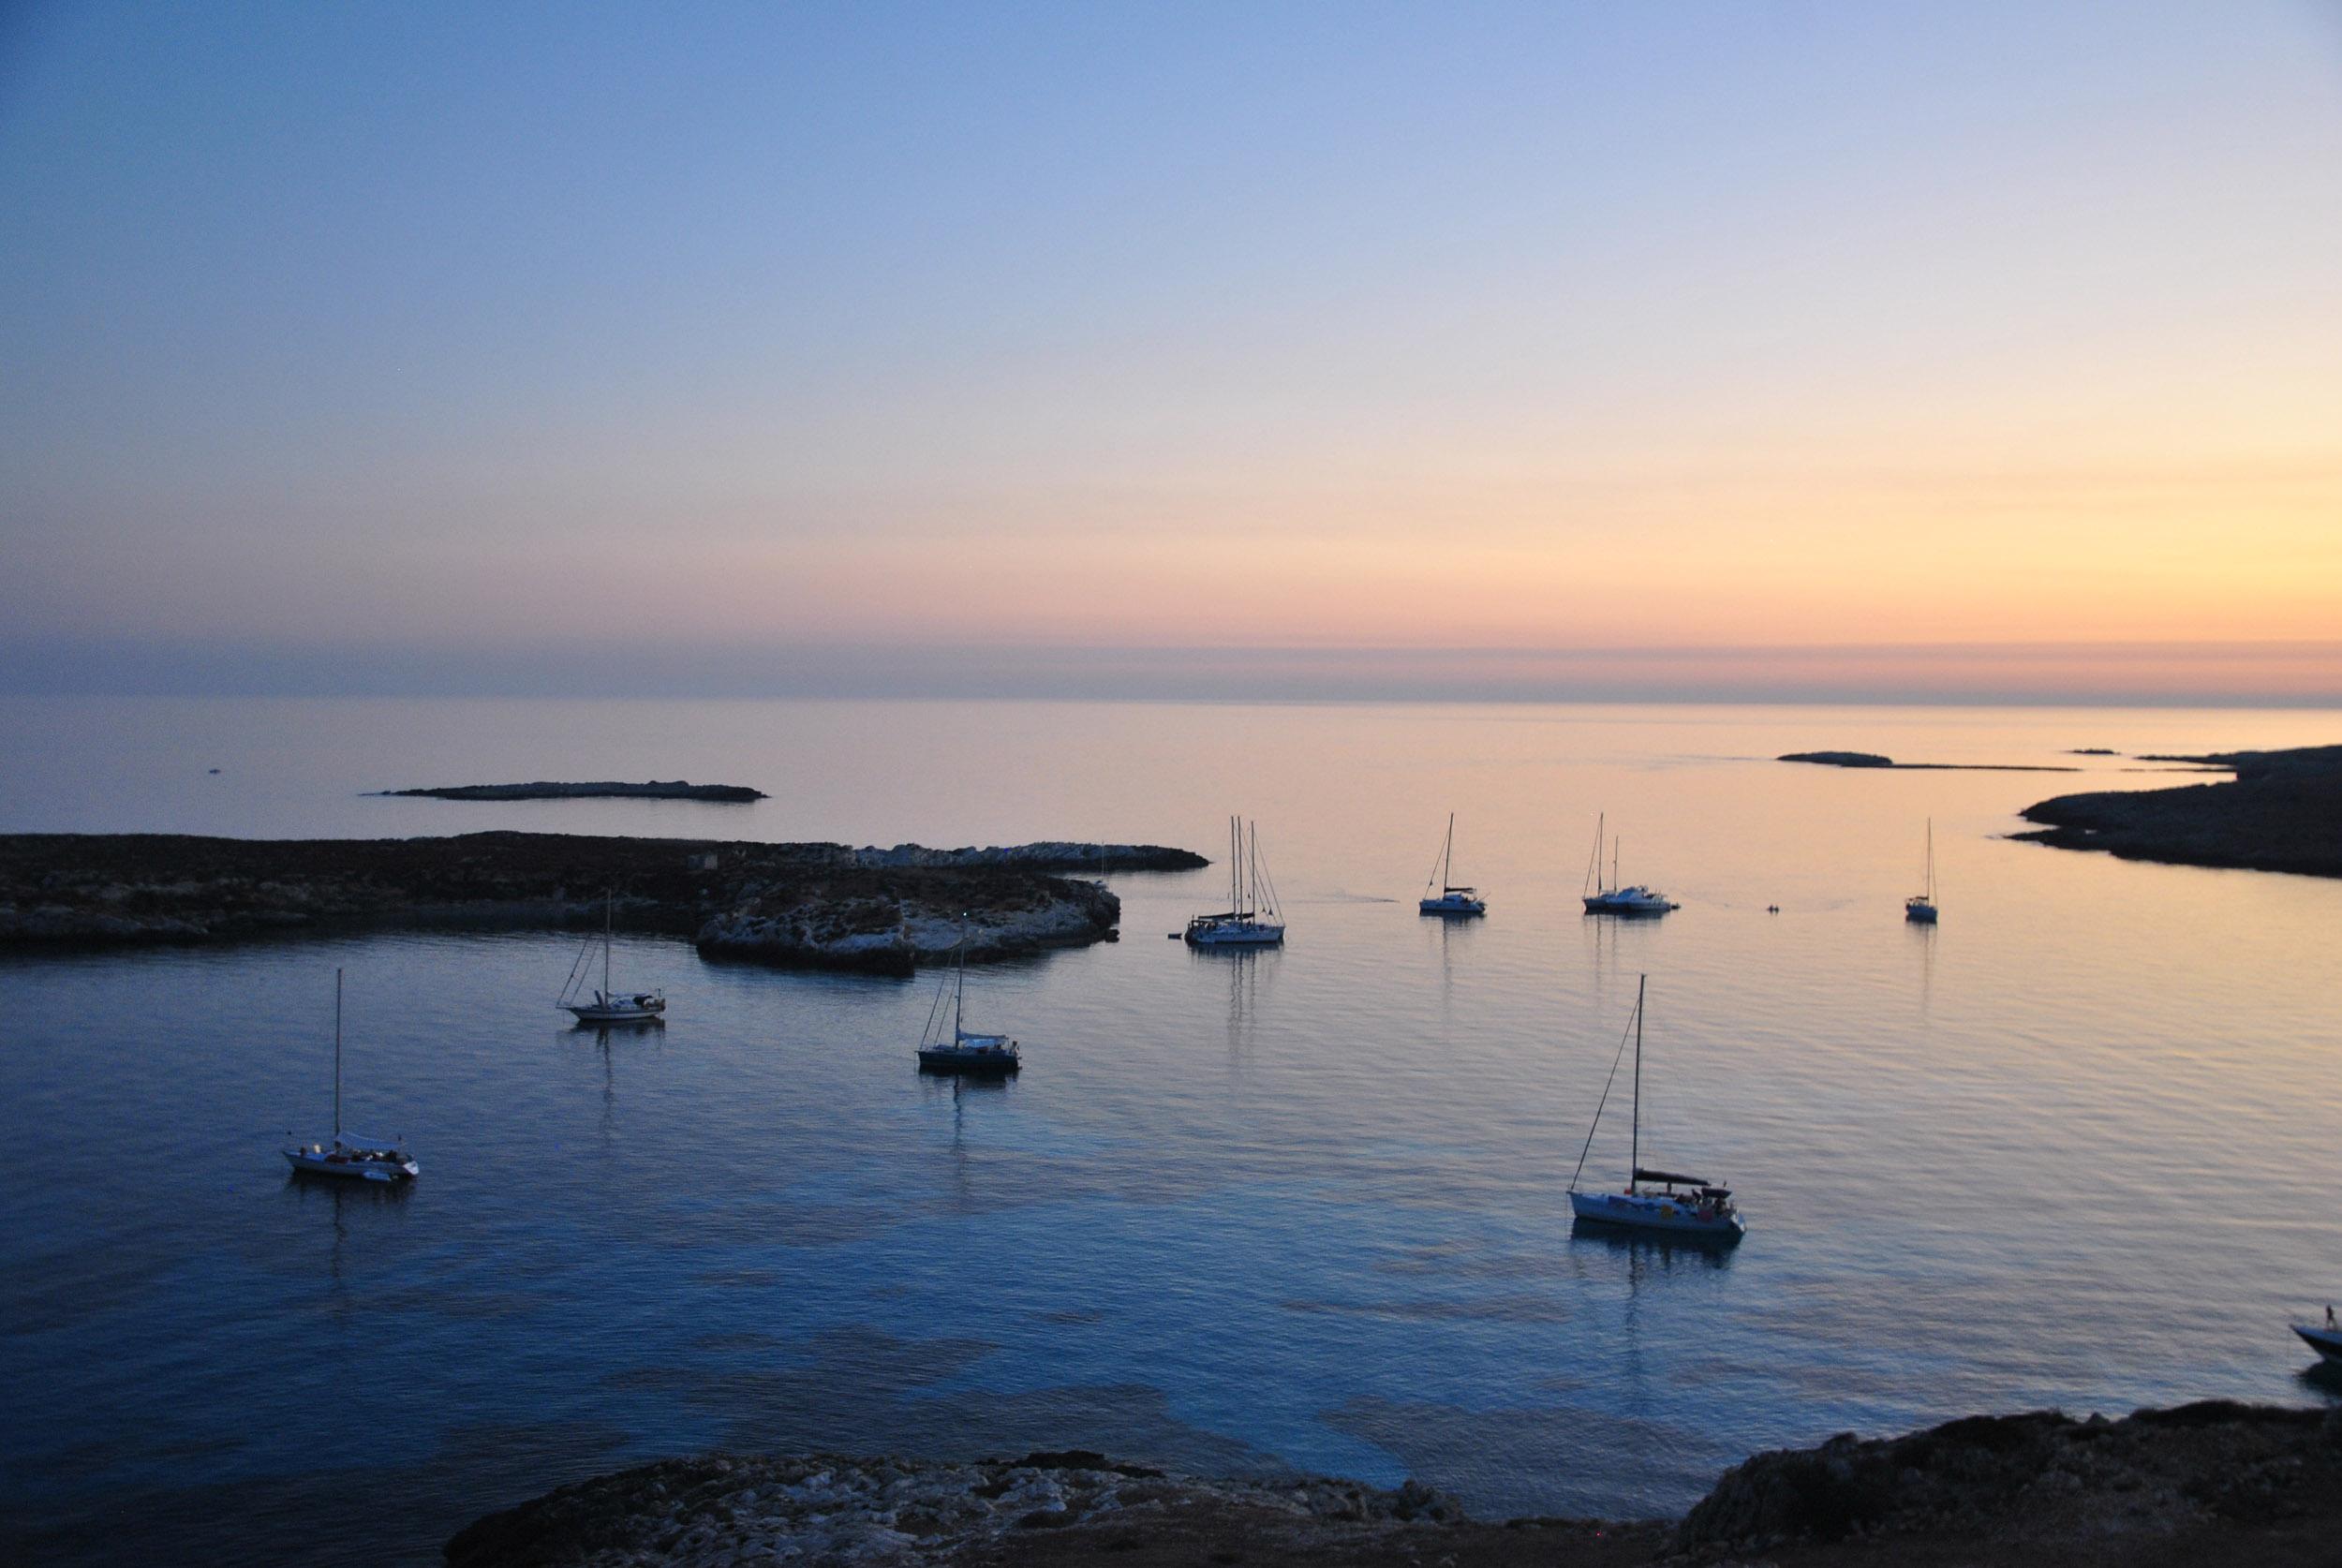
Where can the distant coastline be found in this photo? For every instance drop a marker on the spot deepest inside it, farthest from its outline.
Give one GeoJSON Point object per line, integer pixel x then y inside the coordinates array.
{"type": "Point", "coordinates": [2281, 812]}
{"type": "Point", "coordinates": [818, 906]}
{"type": "Point", "coordinates": [542, 789]}
{"type": "Point", "coordinates": [1873, 759]}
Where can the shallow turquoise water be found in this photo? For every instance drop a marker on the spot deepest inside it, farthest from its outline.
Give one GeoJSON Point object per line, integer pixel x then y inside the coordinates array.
{"type": "Point", "coordinates": [2073, 1147]}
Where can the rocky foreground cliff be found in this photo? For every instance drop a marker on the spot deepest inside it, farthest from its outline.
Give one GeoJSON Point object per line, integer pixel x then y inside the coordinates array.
{"type": "Point", "coordinates": [2213, 1483]}
{"type": "Point", "coordinates": [806, 905]}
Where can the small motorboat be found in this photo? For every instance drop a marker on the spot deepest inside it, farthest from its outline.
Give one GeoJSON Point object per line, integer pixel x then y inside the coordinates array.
{"type": "Point", "coordinates": [1440, 896]}
{"type": "Point", "coordinates": [1609, 897]}
{"type": "Point", "coordinates": [350, 1154]}
{"type": "Point", "coordinates": [959, 1049]}
{"type": "Point", "coordinates": [2326, 1341]}
{"type": "Point", "coordinates": [1687, 1204]}
{"type": "Point", "coordinates": [608, 1006]}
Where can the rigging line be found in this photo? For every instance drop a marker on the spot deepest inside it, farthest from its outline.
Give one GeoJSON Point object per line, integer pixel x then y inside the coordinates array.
{"type": "Point", "coordinates": [1435, 879]}
{"type": "Point", "coordinates": [1623, 1039]}
{"type": "Point", "coordinates": [1276, 906]}
{"type": "Point", "coordinates": [1594, 862]}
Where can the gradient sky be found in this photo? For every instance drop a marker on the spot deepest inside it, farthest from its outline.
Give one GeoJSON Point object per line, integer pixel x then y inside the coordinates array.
{"type": "Point", "coordinates": [765, 346]}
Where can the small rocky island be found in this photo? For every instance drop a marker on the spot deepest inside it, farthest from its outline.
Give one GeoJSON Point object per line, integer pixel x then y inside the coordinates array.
{"type": "Point", "coordinates": [2205, 1483]}
{"type": "Point", "coordinates": [1873, 759]}
{"type": "Point", "coordinates": [2281, 812]}
{"type": "Point", "coordinates": [678, 789]}
{"type": "Point", "coordinates": [820, 906]}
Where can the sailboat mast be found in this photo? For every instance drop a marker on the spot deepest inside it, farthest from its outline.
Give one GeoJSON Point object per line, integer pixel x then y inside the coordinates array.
{"type": "Point", "coordinates": [1447, 855]}
{"type": "Point", "coordinates": [338, 1055]}
{"type": "Point", "coordinates": [1633, 1156]}
{"type": "Point", "coordinates": [609, 923]}
{"type": "Point", "coordinates": [1931, 859]}
{"type": "Point", "coordinates": [959, 983]}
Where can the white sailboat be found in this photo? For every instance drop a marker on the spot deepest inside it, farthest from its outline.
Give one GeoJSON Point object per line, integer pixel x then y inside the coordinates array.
{"type": "Point", "coordinates": [1921, 909]}
{"type": "Point", "coordinates": [961, 1049]}
{"type": "Point", "coordinates": [350, 1154]}
{"type": "Point", "coordinates": [1252, 918]}
{"type": "Point", "coordinates": [1443, 897]}
{"type": "Point", "coordinates": [1610, 897]}
{"type": "Point", "coordinates": [1686, 1205]}
{"type": "Point", "coordinates": [607, 1006]}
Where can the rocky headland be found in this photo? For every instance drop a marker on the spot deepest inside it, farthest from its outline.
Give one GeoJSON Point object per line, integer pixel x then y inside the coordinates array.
{"type": "Point", "coordinates": [654, 789]}
{"type": "Point", "coordinates": [2281, 812]}
{"type": "Point", "coordinates": [820, 906]}
{"type": "Point", "coordinates": [2204, 1483]}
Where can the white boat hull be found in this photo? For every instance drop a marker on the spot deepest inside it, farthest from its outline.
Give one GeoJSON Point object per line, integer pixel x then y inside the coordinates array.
{"type": "Point", "coordinates": [1655, 1211]}
{"type": "Point", "coordinates": [2325, 1341]}
{"type": "Point", "coordinates": [327, 1164]}
{"type": "Point", "coordinates": [624, 1012]}
{"type": "Point", "coordinates": [1239, 934]}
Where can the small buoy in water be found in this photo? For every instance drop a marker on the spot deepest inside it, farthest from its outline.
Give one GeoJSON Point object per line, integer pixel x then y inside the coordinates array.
{"type": "Point", "coordinates": [1772, 908]}
{"type": "Point", "coordinates": [213, 770]}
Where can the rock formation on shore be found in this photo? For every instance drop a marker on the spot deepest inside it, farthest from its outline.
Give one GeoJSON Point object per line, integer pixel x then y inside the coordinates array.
{"type": "Point", "coordinates": [2204, 1483]}
{"type": "Point", "coordinates": [678, 789]}
{"type": "Point", "coordinates": [814, 905]}
{"type": "Point", "coordinates": [2282, 812]}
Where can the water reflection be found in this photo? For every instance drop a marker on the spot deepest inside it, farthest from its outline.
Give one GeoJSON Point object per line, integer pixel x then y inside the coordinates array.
{"type": "Point", "coordinates": [1648, 1254]}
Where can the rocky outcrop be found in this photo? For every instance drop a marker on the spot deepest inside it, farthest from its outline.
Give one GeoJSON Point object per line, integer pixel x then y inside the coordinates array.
{"type": "Point", "coordinates": [1839, 758]}
{"type": "Point", "coordinates": [812, 905]}
{"type": "Point", "coordinates": [2282, 812]}
{"type": "Point", "coordinates": [2023, 1484]}
{"type": "Point", "coordinates": [678, 789]}
{"type": "Point", "coordinates": [1873, 759]}
{"type": "Point", "coordinates": [1054, 855]}
{"type": "Point", "coordinates": [826, 1509]}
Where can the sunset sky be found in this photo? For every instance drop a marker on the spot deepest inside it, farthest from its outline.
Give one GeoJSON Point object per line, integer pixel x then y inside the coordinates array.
{"type": "Point", "coordinates": [1695, 348]}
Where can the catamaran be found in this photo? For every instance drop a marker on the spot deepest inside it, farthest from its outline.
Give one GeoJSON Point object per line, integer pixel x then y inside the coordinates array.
{"type": "Point", "coordinates": [608, 1006]}
{"type": "Point", "coordinates": [1682, 1204]}
{"type": "Point", "coordinates": [1443, 897]}
{"type": "Point", "coordinates": [1252, 918]}
{"type": "Point", "coordinates": [1609, 897]}
{"type": "Point", "coordinates": [1923, 908]}
{"type": "Point", "coordinates": [349, 1154]}
{"type": "Point", "coordinates": [961, 1049]}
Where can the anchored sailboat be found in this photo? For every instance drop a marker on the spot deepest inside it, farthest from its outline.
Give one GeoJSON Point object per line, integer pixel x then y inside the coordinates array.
{"type": "Point", "coordinates": [960, 1049]}
{"type": "Point", "coordinates": [1252, 918]}
{"type": "Point", "coordinates": [1699, 1207]}
{"type": "Point", "coordinates": [608, 1006]}
{"type": "Point", "coordinates": [1443, 897]}
{"type": "Point", "coordinates": [1922, 908]}
{"type": "Point", "coordinates": [1609, 897]}
{"type": "Point", "coordinates": [350, 1154]}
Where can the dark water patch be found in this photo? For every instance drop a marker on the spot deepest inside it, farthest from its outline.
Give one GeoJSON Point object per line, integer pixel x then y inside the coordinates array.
{"type": "Point", "coordinates": [1580, 1456]}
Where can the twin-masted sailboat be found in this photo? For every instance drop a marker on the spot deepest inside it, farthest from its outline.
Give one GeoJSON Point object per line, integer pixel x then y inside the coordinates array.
{"type": "Point", "coordinates": [1682, 1204]}
{"type": "Point", "coordinates": [350, 1154]}
{"type": "Point", "coordinates": [1442, 896]}
{"type": "Point", "coordinates": [1252, 918]}
{"type": "Point", "coordinates": [959, 1048]}
{"type": "Point", "coordinates": [607, 1006]}
{"type": "Point", "coordinates": [1609, 896]}
{"type": "Point", "coordinates": [1921, 909]}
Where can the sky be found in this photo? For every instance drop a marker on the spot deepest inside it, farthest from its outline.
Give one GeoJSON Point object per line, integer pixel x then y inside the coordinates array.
{"type": "Point", "coordinates": [1541, 349]}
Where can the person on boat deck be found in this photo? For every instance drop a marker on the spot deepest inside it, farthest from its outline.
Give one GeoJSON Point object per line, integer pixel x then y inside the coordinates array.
{"type": "Point", "coordinates": [2330, 1314]}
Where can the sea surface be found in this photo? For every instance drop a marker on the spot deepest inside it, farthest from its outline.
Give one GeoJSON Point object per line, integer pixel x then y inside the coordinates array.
{"type": "Point", "coordinates": [2075, 1147]}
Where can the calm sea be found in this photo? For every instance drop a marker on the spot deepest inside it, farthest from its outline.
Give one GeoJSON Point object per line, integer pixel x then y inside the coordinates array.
{"type": "Point", "coordinates": [2075, 1147]}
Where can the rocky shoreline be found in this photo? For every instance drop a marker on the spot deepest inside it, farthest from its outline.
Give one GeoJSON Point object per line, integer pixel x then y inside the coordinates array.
{"type": "Point", "coordinates": [819, 906]}
{"type": "Point", "coordinates": [2281, 812]}
{"type": "Point", "coordinates": [2202, 1483]}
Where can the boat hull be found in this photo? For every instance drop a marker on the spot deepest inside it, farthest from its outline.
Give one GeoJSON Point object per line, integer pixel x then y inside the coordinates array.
{"type": "Point", "coordinates": [1649, 1211]}
{"type": "Point", "coordinates": [1451, 906]}
{"type": "Point", "coordinates": [974, 1064]}
{"type": "Point", "coordinates": [2325, 1341]}
{"type": "Point", "coordinates": [1249, 934]}
{"type": "Point", "coordinates": [1605, 905]}
{"type": "Point", "coordinates": [601, 1012]}
{"type": "Point", "coordinates": [380, 1171]}
{"type": "Point", "coordinates": [1920, 914]}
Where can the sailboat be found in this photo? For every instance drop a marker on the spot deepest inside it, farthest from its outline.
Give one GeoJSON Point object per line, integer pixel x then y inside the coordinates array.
{"type": "Point", "coordinates": [1443, 897]}
{"type": "Point", "coordinates": [1609, 897]}
{"type": "Point", "coordinates": [608, 1006]}
{"type": "Point", "coordinates": [1682, 1204]}
{"type": "Point", "coordinates": [960, 1049]}
{"type": "Point", "coordinates": [1252, 918]}
{"type": "Point", "coordinates": [349, 1154]}
{"type": "Point", "coordinates": [1923, 908]}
